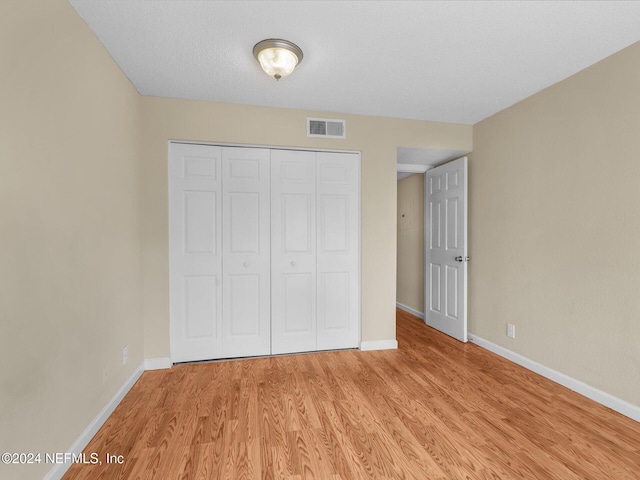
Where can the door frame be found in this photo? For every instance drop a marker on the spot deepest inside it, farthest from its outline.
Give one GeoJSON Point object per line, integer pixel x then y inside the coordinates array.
{"type": "Point", "coordinates": [413, 169]}
{"type": "Point", "coordinates": [275, 147]}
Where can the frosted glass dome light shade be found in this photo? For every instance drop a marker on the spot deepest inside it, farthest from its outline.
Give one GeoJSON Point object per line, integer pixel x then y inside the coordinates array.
{"type": "Point", "coordinates": [277, 57]}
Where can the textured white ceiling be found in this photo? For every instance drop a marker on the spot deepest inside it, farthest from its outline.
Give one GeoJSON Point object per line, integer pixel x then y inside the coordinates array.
{"type": "Point", "coordinates": [445, 61]}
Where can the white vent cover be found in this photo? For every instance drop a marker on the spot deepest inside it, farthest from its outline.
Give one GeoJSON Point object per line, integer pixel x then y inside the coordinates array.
{"type": "Point", "coordinates": [326, 128]}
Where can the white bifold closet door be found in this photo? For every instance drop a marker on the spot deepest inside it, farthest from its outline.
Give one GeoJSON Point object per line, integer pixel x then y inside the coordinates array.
{"type": "Point", "coordinates": [293, 247]}
{"type": "Point", "coordinates": [264, 251]}
{"type": "Point", "coordinates": [195, 251]}
{"type": "Point", "coordinates": [315, 259]}
{"type": "Point", "coordinates": [246, 251]}
{"type": "Point", "coordinates": [338, 256]}
{"type": "Point", "coordinates": [220, 251]}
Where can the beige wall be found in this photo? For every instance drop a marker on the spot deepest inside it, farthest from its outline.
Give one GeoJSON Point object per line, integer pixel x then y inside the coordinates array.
{"type": "Point", "coordinates": [70, 261]}
{"type": "Point", "coordinates": [410, 275]}
{"type": "Point", "coordinates": [555, 226]}
{"type": "Point", "coordinates": [377, 140]}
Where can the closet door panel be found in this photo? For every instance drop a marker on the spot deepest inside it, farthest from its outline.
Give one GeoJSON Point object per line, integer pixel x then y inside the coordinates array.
{"type": "Point", "coordinates": [246, 252]}
{"type": "Point", "coordinates": [293, 258]}
{"type": "Point", "coordinates": [297, 223]}
{"type": "Point", "coordinates": [338, 250]}
{"type": "Point", "coordinates": [195, 252]}
{"type": "Point", "coordinates": [297, 303]}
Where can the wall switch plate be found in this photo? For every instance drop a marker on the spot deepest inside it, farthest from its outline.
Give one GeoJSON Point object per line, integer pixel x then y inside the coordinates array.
{"type": "Point", "coordinates": [511, 330]}
{"type": "Point", "coordinates": [125, 355]}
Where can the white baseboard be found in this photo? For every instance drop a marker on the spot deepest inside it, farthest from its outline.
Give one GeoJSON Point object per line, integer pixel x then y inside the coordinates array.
{"type": "Point", "coordinates": [410, 310]}
{"type": "Point", "coordinates": [157, 363]}
{"type": "Point", "coordinates": [379, 345]}
{"type": "Point", "coordinates": [614, 403]}
{"type": "Point", "coordinates": [85, 437]}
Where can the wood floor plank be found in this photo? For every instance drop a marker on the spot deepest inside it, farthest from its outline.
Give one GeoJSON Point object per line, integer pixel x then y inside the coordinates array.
{"type": "Point", "coordinates": [434, 409]}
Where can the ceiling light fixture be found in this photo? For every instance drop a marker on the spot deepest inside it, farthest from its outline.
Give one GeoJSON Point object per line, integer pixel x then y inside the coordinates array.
{"type": "Point", "coordinates": [277, 57]}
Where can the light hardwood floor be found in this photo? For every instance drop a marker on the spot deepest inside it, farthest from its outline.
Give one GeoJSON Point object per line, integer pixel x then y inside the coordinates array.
{"type": "Point", "coordinates": [433, 409]}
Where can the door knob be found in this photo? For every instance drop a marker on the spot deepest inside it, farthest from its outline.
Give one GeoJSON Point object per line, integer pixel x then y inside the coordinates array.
{"type": "Point", "coordinates": [293, 263]}
{"type": "Point", "coordinates": [245, 264]}
{"type": "Point", "coordinates": [462, 259]}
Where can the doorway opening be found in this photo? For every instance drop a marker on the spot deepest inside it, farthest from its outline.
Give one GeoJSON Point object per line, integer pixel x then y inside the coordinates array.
{"type": "Point", "coordinates": [412, 164]}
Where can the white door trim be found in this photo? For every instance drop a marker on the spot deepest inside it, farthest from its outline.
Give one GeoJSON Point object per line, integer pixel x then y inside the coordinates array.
{"type": "Point", "coordinates": [271, 147]}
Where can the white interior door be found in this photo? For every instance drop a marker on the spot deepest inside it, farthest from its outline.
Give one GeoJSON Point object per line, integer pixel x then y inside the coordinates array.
{"type": "Point", "coordinates": [338, 232]}
{"type": "Point", "coordinates": [195, 251]}
{"type": "Point", "coordinates": [293, 258]}
{"type": "Point", "coordinates": [246, 294]}
{"type": "Point", "coordinates": [446, 248]}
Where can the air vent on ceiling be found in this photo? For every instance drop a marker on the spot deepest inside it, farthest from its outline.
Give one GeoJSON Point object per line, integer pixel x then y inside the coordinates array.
{"type": "Point", "coordinates": [326, 128]}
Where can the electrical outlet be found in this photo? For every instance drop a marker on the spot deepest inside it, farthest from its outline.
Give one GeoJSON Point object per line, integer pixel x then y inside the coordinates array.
{"type": "Point", "coordinates": [105, 374]}
{"type": "Point", "coordinates": [125, 354]}
{"type": "Point", "coordinates": [511, 330]}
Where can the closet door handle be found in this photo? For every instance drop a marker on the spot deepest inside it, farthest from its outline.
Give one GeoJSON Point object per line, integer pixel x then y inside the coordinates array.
{"type": "Point", "coordinates": [293, 263]}
{"type": "Point", "coordinates": [245, 264]}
